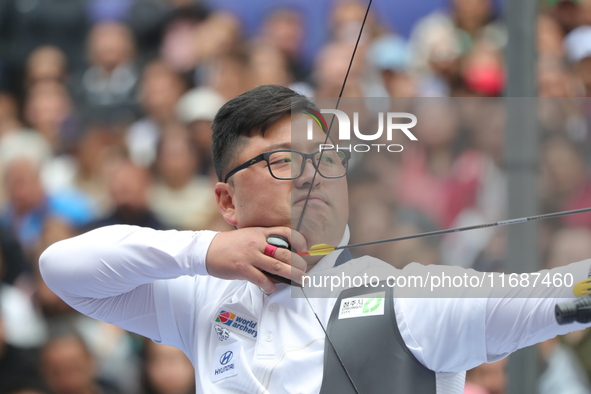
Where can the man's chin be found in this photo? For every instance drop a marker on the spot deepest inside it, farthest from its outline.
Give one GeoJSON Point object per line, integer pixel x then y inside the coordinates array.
{"type": "Point", "coordinates": [320, 229]}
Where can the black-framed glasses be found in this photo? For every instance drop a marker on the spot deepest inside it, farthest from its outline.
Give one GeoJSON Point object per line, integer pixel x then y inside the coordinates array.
{"type": "Point", "coordinates": [286, 164]}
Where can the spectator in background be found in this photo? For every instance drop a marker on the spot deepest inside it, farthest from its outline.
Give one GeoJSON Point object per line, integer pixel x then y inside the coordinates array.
{"type": "Point", "coordinates": [563, 115]}
{"type": "Point", "coordinates": [9, 119]}
{"type": "Point", "coordinates": [47, 108]}
{"type": "Point", "coordinates": [565, 184]}
{"type": "Point", "coordinates": [167, 370]}
{"type": "Point", "coordinates": [149, 19]}
{"type": "Point", "coordinates": [283, 29]}
{"type": "Point", "coordinates": [443, 68]}
{"type": "Point", "coordinates": [129, 188]}
{"type": "Point", "coordinates": [111, 78]}
{"type": "Point", "coordinates": [25, 26]}
{"type": "Point", "coordinates": [345, 23]}
{"type": "Point", "coordinates": [426, 168]}
{"type": "Point", "coordinates": [482, 71]}
{"type": "Point", "coordinates": [221, 58]}
{"type": "Point", "coordinates": [268, 65]}
{"type": "Point", "coordinates": [68, 367]}
{"type": "Point", "coordinates": [331, 67]}
{"type": "Point", "coordinates": [578, 50]}
{"type": "Point", "coordinates": [584, 12]}
{"type": "Point", "coordinates": [333, 59]}
{"type": "Point", "coordinates": [566, 13]}
{"type": "Point", "coordinates": [477, 188]}
{"type": "Point", "coordinates": [178, 46]}
{"type": "Point", "coordinates": [161, 88]}
{"type": "Point", "coordinates": [389, 54]}
{"type": "Point", "coordinates": [15, 268]}
{"type": "Point", "coordinates": [557, 77]}
{"type": "Point", "coordinates": [29, 205]}
{"type": "Point", "coordinates": [180, 198]}
{"type": "Point", "coordinates": [17, 365]}
{"type": "Point", "coordinates": [52, 116]}
{"type": "Point", "coordinates": [563, 373]}
{"type": "Point", "coordinates": [218, 36]}
{"type": "Point", "coordinates": [196, 109]}
{"type": "Point", "coordinates": [549, 37]}
{"type": "Point", "coordinates": [96, 149]}
{"type": "Point", "coordinates": [555, 80]}
{"type": "Point", "coordinates": [441, 38]}
{"type": "Point", "coordinates": [227, 75]}
{"type": "Point", "coordinates": [46, 63]}
{"type": "Point", "coordinates": [23, 326]}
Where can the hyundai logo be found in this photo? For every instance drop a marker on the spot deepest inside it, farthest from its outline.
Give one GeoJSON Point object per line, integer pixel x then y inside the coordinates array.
{"type": "Point", "coordinates": [226, 357]}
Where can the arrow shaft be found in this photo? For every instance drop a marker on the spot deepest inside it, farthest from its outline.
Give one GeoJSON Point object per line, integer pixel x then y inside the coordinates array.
{"type": "Point", "coordinates": [475, 227]}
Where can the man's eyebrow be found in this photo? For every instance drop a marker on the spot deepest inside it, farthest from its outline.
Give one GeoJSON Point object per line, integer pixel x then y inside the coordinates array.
{"type": "Point", "coordinates": [283, 145]}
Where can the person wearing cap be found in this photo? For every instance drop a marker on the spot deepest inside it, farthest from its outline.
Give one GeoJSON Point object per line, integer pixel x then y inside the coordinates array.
{"type": "Point", "coordinates": [578, 51]}
{"type": "Point", "coordinates": [197, 109]}
{"type": "Point", "coordinates": [207, 293]}
{"type": "Point", "coordinates": [389, 54]}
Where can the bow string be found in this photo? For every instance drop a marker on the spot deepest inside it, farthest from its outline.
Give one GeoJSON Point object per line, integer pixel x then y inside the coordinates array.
{"type": "Point", "coordinates": [301, 218]}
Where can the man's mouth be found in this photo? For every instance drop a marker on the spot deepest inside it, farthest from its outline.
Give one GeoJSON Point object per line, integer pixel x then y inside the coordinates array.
{"type": "Point", "coordinates": [312, 197]}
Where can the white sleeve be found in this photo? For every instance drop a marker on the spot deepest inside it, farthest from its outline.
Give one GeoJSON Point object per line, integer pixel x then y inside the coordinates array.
{"type": "Point", "coordinates": [458, 333]}
{"type": "Point", "coordinates": [109, 273]}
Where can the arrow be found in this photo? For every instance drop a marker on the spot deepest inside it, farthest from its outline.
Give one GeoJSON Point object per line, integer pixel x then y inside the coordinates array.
{"type": "Point", "coordinates": [324, 249]}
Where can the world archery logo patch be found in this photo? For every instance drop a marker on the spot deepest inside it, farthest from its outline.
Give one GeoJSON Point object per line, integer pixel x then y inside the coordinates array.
{"type": "Point", "coordinates": [225, 317]}
{"type": "Point", "coordinates": [240, 323]}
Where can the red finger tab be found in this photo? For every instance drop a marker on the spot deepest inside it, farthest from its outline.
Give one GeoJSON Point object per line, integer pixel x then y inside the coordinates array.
{"type": "Point", "coordinates": [270, 250]}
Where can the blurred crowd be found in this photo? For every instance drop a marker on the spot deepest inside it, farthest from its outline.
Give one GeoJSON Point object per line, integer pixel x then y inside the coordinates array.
{"type": "Point", "coordinates": [105, 118]}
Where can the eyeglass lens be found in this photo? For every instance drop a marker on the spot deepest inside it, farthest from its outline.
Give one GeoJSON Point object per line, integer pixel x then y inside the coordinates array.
{"type": "Point", "coordinates": [289, 164]}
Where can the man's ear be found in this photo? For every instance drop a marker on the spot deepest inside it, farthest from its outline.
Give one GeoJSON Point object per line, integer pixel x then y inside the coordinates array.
{"type": "Point", "coordinates": [224, 195]}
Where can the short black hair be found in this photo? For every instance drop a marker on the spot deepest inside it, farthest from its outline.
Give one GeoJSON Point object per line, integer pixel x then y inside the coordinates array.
{"type": "Point", "coordinates": [250, 112]}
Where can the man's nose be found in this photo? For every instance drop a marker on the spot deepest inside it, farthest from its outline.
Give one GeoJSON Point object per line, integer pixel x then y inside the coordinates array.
{"type": "Point", "coordinates": [309, 175]}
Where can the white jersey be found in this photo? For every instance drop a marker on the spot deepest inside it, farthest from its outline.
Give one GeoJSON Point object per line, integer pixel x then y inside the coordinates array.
{"type": "Point", "coordinates": [243, 340]}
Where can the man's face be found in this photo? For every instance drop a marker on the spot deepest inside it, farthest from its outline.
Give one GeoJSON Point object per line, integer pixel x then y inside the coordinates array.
{"type": "Point", "coordinates": [259, 200]}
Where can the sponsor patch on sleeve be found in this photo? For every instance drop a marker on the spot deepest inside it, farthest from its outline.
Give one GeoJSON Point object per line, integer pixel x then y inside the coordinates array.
{"type": "Point", "coordinates": [367, 305]}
